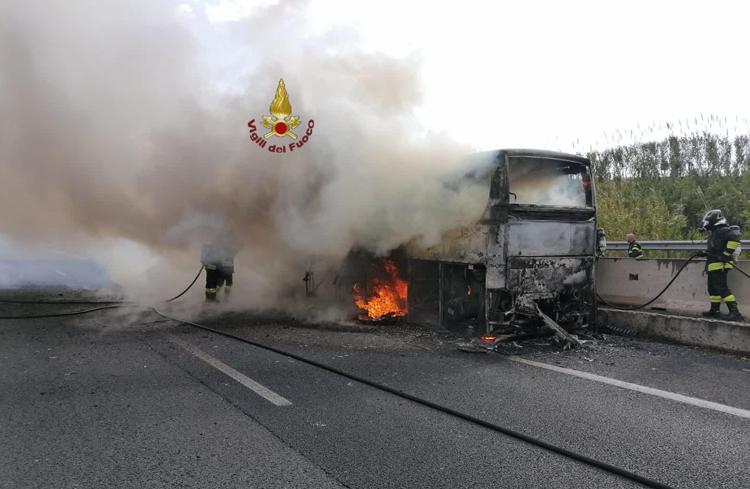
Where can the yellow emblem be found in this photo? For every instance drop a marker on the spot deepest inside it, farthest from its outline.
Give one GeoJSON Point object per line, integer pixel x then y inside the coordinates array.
{"type": "Point", "coordinates": [281, 122]}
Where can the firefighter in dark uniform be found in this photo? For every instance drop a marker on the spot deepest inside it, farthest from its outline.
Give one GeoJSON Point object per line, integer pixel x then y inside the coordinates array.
{"type": "Point", "coordinates": [634, 249]}
{"type": "Point", "coordinates": [218, 259]}
{"type": "Point", "coordinates": [722, 248]}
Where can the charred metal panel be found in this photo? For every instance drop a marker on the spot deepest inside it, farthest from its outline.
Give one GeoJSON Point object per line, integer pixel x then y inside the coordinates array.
{"type": "Point", "coordinates": [495, 262]}
{"type": "Point", "coordinates": [462, 245]}
{"type": "Point", "coordinates": [424, 292]}
{"type": "Point", "coordinates": [462, 294]}
{"type": "Point", "coordinates": [446, 294]}
{"type": "Point", "coordinates": [551, 238]}
{"type": "Point", "coordinates": [549, 213]}
{"type": "Point", "coordinates": [545, 278]}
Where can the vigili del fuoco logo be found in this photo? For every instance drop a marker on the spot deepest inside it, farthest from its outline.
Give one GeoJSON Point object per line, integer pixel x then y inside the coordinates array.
{"type": "Point", "coordinates": [281, 124]}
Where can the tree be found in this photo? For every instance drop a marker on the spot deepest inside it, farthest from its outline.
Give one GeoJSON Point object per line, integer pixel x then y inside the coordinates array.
{"type": "Point", "coordinates": [660, 190]}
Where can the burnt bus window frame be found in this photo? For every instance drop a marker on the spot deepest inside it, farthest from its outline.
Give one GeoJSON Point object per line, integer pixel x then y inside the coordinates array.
{"type": "Point", "coordinates": [504, 188]}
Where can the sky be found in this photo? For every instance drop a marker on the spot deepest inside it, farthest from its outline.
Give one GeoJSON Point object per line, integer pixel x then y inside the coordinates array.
{"type": "Point", "coordinates": [573, 76]}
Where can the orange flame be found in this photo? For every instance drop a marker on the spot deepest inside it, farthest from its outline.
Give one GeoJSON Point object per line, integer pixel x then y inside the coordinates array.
{"type": "Point", "coordinates": [387, 297]}
{"type": "Point", "coordinates": [487, 339]}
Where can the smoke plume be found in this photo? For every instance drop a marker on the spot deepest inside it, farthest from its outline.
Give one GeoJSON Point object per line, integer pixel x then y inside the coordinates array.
{"type": "Point", "coordinates": [128, 120]}
{"type": "Point", "coordinates": [534, 182]}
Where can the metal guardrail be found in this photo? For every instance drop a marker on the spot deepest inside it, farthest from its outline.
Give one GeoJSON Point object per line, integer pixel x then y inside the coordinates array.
{"type": "Point", "coordinates": [668, 245]}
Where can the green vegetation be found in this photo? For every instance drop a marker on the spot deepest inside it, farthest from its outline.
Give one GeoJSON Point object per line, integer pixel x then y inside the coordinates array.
{"type": "Point", "coordinates": [661, 190]}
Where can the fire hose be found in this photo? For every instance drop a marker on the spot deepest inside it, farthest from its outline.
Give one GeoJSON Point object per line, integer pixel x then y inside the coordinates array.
{"type": "Point", "coordinates": [188, 287]}
{"type": "Point", "coordinates": [106, 304]}
{"type": "Point", "coordinates": [604, 466]}
{"type": "Point", "coordinates": [633, 308]}
{"type": "Point", "coordinates": [115, 304]}
{"type": "Point", "coordinates": [613, 469]}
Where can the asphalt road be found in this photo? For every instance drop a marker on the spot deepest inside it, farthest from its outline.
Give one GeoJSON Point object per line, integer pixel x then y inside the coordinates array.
{"type": "Point", "coordinates": [108, 400]}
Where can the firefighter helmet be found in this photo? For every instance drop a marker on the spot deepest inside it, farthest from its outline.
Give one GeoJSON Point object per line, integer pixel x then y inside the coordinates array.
{"type": "Point", "coordinates": [712, 219]}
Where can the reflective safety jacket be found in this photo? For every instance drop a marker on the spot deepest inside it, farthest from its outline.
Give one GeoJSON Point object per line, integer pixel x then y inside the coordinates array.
{"type": "Point", "coordinates": [722, 247]}
{"type": "Point", "coordinates": [635, 250]}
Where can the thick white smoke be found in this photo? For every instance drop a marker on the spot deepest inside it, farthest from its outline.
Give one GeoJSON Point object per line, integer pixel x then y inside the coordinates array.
{"type": "Point", "coordinates": [127, 120]}
{"type": "Point", "coordinates": [534, 182]}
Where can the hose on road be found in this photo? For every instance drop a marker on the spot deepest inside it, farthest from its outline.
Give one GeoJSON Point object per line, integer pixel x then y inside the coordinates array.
{"type": "Point", "coordinates": [61, 314]}
{"type": "Point", "coordinates": [123, 303]}
{"type": "Point", "coordinates": [607, 467]}
{"type": "Point", "coordinates": [613, 469]}
{"type": "Point", "coordinates": [62, 302]}
{"type": "Point", "coordinates": [106, 304]}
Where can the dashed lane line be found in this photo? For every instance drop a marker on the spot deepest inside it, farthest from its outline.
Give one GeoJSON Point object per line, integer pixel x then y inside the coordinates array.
{"type": "Point", "coordinates": [243, 379]}
{"type": "Point", "coordinates": [693, 401]}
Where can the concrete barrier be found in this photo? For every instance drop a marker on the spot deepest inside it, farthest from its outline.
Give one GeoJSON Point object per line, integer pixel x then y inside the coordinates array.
{"type": "Point", "coordinates": [675, 315]}
{"type": "Point", "coordinates": [633, 282]}
{"type": "Point", "coordinates": [712, 333]}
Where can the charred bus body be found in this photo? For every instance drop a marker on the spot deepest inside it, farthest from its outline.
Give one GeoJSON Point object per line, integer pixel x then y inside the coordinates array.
{"type": "Point", "coordinates": [535, 245]}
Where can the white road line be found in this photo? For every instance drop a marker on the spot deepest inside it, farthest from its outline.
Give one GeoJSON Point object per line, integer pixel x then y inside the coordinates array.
{"type": "Point", "coordinates": [243, 379]}
{"type": "Point", "coordinates": [693, 401]}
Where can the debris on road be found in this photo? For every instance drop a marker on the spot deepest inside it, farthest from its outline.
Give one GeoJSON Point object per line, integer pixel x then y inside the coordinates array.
{"type": "Point", "coordinates": [561, 335]}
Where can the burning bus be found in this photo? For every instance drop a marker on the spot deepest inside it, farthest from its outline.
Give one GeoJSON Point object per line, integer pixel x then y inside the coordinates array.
{"type": "Point", "coordinates": [531, 255]}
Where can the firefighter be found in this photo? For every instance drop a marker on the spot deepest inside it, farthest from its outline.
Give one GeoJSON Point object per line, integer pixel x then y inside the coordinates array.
{"type": "Point", "coordinates": [722, 248]}
{"type": "Point", "coordinates": [634, 249]}
{"type": "Point", "coordinates": [218, 259]}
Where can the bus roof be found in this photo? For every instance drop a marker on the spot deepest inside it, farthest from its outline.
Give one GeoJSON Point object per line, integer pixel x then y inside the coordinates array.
{"type": "Point", "coordinates": [539, 153]}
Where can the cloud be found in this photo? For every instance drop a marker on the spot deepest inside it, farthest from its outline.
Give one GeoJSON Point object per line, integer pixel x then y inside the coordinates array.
{"type": "Point", "coordinates": [127, 121]}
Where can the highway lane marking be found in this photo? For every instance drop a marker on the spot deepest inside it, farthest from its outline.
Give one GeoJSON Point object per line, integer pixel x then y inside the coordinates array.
{"type": "Point", "coordinates": [693, 401]}
{"type": "Point", "coordinates": [243, 379]}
